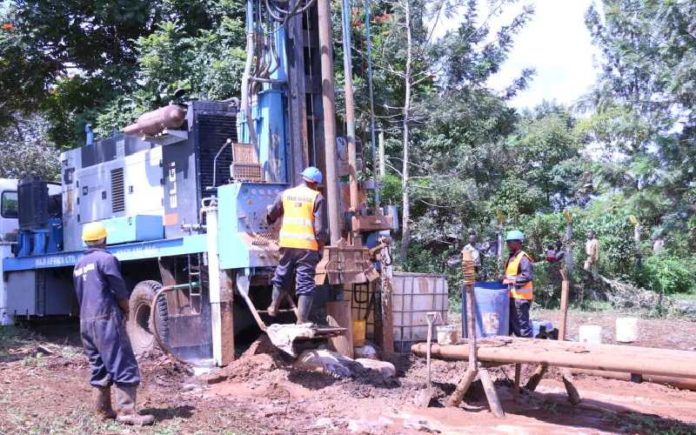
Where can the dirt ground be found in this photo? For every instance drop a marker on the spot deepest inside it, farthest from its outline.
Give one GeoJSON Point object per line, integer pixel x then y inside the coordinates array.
{"type": "Point", "coordinates": [43, 389]}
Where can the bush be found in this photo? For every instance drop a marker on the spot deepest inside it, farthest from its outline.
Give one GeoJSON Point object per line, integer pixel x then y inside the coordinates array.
{"type": "Point", "coordinates": [668, 274]}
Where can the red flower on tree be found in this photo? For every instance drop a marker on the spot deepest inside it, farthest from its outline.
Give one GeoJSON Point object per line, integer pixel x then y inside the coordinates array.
{"type": "Point", "coordinates": [7, 26]}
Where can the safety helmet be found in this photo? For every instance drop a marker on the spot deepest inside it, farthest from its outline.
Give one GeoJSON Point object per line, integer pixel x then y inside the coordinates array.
{"type": "Point", "coordinates": [93, 232]}
{"type": "Point", "coordinates": [312, 175]}
{"type": "Point", "coordinates": [514, 235]}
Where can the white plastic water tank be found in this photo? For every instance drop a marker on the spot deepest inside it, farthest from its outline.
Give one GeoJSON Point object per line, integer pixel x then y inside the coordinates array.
{"type": "Point", "coordinates": [416, 294]}
{"type": "Point", "coordinates": [590, 334]}
{"type": "Point", "coordinates": [626, 329]}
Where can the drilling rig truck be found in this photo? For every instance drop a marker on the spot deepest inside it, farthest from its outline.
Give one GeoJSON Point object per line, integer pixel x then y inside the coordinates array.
{"type": "Point", "coordinates": [184, 191]}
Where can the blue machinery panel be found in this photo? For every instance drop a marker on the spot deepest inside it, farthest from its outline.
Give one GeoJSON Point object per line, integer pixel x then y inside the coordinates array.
{"type": "Point", "coordinates": [129, 229]}
{"type": "Point", "coordinates": [244, 239]}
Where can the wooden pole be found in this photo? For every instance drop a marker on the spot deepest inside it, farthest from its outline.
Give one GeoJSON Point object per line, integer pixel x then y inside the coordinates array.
{"type": "Point", "coordinates": [387, 309]}
{"type": "Point", "coordinates": [681, 383]}
{"type": "Point", "coordinates": [536, 377]}
{"type": "Point", "coordinates": [565, 293]}
{"type": "Point", "coordinates": [518, 376]}
{"type": "Point", "coordinates": [568, 382]}
{"type": "Point", "coordinates": [472, 368]}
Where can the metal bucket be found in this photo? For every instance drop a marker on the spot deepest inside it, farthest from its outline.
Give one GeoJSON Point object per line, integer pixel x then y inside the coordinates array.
{"type": "Point", "coordinates": [492, 309]}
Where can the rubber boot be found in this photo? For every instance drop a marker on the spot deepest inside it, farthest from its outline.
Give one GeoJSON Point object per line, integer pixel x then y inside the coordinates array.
{"type": "Point", "coordinates": [275, 301]}
{"type": "Point", "coordinates": [102, 403]}
{"type": "Point", "coordinates": [126, 397]}
{"type": "Point", "coordinates": [304, 307]}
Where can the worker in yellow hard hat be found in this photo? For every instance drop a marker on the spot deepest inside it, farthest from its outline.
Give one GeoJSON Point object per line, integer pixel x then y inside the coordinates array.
{"type": "Point", "coordinates": [103, 298]}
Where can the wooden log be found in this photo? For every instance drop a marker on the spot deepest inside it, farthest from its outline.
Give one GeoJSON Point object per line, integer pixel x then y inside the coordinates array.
{"type": "Point", "coordinates": [632, 359]}
{"type": "Point", "coordinates": [536, 377]}
{"type": "Point", "coordinates": [672, 381]}
{"type": "Point", "coordinates": [338, 313]}
{"type": "Point", "coordinates": [491, 394]}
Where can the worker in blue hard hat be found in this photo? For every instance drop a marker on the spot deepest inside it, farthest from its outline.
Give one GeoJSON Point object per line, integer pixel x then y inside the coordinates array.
{"type": "Point", "coordinates": [303, 235]}
{"type": "Point", "coordinates": [103, 299]}
{"type": "Point", "coordinates": [519, 275]}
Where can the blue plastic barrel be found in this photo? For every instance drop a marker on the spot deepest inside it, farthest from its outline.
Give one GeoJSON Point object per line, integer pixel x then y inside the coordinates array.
{"type": "Point", "coordinates": [492, 309]}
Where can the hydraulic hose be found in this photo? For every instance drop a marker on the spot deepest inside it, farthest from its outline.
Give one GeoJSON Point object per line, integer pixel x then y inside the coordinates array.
{"type": "Point", "coordinates": [153, 314]}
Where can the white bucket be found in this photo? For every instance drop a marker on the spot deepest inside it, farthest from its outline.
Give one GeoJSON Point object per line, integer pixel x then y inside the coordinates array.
{"type": "Point", "coordinates": [446, 335]}
{"type": "Point", "coordinates": [626, 329]}
{"type": "Point", "coordinates": [591, 334]}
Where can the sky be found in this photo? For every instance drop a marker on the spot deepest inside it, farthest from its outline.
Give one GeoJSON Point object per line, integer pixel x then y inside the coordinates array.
{"type": "Point", "coordinates": [556, 43]}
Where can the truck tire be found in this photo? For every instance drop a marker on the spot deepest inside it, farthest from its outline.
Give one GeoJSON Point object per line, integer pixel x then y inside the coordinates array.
{"type": "Point", "coordinates": [140, 325]}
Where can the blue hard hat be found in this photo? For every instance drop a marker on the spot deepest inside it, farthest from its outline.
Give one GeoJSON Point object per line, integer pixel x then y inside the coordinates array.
{"type": "Point", "coordinates": [312, 174]}
{"type": "Point", "coordinates": [514, 235]}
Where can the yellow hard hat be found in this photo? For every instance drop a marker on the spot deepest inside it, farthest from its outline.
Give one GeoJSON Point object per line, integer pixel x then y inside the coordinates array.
{"type": "Point", "coordinates": [93, 232]}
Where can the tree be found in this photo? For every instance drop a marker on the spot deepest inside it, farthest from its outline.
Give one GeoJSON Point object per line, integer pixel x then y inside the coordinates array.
{"type": "Point", "coordinates": [427, 87]}
{"type": "Point", "coordinates": [69, 59]}
{"type": "Point", "coordinates": [644, 104]}
{"type": "Point", "coordinates": [25, 151]}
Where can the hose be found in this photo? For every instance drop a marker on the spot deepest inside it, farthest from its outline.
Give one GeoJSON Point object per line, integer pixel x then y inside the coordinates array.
{"type": "Point", "coordinates": [153, 312]}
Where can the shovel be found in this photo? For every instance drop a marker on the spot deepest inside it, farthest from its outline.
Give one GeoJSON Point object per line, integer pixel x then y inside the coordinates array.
{"type": "Point", "coordinates": [424, 397]}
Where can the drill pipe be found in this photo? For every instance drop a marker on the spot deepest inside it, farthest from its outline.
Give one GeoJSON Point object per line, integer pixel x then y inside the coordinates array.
{"type": "Point", "coordinates": [632, 359]}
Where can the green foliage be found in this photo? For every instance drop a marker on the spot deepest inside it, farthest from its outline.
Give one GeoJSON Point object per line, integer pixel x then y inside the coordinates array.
{"type": "Point", "coordinates": [85, 61]}
{"type": "Point", "coordinates": [669, 274]}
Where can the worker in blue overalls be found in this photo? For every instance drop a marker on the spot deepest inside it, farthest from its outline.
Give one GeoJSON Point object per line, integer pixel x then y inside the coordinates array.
{"type": "Point", "coordinates": [103, 298]}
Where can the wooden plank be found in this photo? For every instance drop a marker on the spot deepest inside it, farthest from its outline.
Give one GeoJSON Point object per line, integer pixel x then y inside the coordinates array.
{"type": "Point", "coordinates": [338, 313]}
{"type": "Point", "coordinates": [227, 317]}
{"type": "Point", "coordinates": [387, 311]}
{"type": "Point", "coordinates": [632, 359]}
{"type": "Point", "coordinates": [491, 394]}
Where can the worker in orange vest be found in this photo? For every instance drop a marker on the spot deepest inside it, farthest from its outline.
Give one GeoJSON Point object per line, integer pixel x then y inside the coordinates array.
{"type": "Point", "coordinates": [302, 238]}
{"type": "Point", "coordinates": [519, 273]}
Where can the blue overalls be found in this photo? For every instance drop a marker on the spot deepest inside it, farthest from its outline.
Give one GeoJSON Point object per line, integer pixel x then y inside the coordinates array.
{"type": "Point", "coordinates": [99, 286]}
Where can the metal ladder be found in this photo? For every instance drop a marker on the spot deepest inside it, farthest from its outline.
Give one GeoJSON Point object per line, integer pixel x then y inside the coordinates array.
{"type": "Point", "coordinates": [195, 274]}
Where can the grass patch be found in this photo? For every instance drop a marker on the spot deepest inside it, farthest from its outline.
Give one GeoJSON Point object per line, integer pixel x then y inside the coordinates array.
{"type": "Point", "coordinates": [11, 338]}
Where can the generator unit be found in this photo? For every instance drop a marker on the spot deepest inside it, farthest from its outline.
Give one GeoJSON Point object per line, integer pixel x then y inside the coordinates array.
{"type": "Point", "coordinates": [39, 218]}
{"type": "Point", "coordinates": [147, 188]}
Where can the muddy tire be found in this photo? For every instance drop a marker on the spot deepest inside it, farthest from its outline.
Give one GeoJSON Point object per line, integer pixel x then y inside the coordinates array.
{"type": "Point", "coordinates": [140, 325]}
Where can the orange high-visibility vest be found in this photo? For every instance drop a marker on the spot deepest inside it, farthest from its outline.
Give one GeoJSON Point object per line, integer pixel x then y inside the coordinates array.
{"type": "Point", "coordinates": [297, 230]}
{"type": "Point", "coordinates": [512, 268]}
